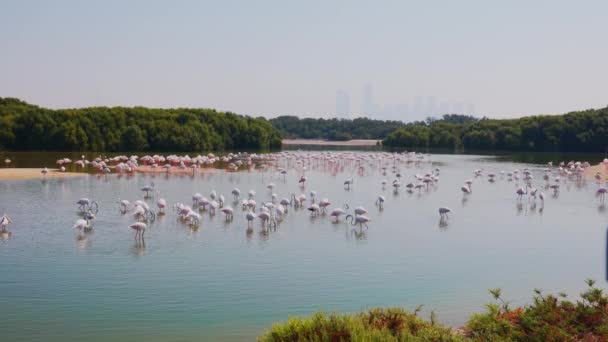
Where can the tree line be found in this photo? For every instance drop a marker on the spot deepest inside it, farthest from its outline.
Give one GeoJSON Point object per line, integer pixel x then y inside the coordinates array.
{"type": "Point", "coordinates": [573, 132]}
{"type": "Point", "coordinates": [25, 126]}
{"type": "Point", "coordinates": [334, 129]}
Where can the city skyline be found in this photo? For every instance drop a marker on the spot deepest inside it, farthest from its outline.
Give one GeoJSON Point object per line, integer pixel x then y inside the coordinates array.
{"type": "Point", "coordinates": [421, 108]}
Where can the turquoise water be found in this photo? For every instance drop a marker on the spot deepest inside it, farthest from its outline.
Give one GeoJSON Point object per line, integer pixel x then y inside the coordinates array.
{"type": "Point", "coordinates": [222, 283]}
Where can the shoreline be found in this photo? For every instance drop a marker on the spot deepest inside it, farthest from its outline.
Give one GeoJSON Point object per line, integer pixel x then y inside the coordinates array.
{"type": "Point", "coordinates": [34, 173]}
{"type": "Point", "coordinates": [591, 171]}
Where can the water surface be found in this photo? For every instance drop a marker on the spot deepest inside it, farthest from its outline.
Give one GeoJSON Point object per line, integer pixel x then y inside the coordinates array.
{"type": "Point", "coordinates": [222, 283]}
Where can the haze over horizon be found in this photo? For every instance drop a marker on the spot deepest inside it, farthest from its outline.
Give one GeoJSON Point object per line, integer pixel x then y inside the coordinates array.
{"type": "Point", "coordinates": [312, 59]}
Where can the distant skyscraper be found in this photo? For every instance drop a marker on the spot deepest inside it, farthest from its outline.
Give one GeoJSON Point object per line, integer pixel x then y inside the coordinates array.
{"type": "Point", "coordinates": [342, 104]}
{"type": "Point", "coordinates": [368, 100]}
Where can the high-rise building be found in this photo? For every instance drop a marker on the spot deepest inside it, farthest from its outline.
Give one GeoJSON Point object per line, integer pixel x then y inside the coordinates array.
{"type": "Point", "coordinates": [368, 100]}
{"type": "Point", "coordinates": [342, 104]}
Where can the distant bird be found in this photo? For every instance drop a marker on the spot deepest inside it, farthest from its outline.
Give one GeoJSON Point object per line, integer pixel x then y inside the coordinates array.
{"type": "Point", "coordinates": [236, 193]}
{"type": "Point", "coordinates": [520, 192]}
{"type": "Point", "coordinates": [337, 212]}
{"type": "Point", "coordinates": [465, 189]}
{"type": "Point", "coordinates": [360, 220]}
{"type": "Point", "coordinates": [348, 183]}
{"type": "Point", "coordinates": [140, 229]}
{"type": "Point", "coordinates": [124, 205]}
{"type": "Point", "coordinates": [4, 222]}
{"type": "Point", "coordinates": [264, 217]}
{"type": "Point", "coordinates": [229, 212]}
{"type": "Point", "coordinates": [314, 209]}
{"type": "Point", "coordinates": [250, 216]}
{"type": "Point", "coordinates": [601, 192]}
{"type": "Point", "coordinates": [360, 211]}
{"type": "Point", "coordinates": [324, 204]}
{"type": "Point", "coordinates": [44, 171]}
{"type": "Point", "coordinates": [443, 212]}
{"type": "Point", "coordinates": [380, 201]}
{"type": "Point", "coordinates": [302, 180]}
{"type": "Point", "coordinates": [161, 204]}
{"type": "Point", "coordinates": [81, 224]}
{"type": "Point", "coordinates": [147, 188]}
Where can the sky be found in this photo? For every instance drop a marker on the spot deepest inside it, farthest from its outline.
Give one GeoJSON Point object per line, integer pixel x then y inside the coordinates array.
{"type": "Point", "coordinates": [493, 58]}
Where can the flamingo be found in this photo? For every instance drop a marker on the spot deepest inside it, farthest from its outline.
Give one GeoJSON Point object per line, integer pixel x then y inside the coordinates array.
{"type": "Point", "coordinates": [360, 220]}
{"type": "Point", "coordinates": [213, 206]}
{"type": "Point", "coordinates": [193, 218]}
{"type": "Point", "coordinates": [324, 204]}
{"type": "Point", "coordinates": [360, 211]}
{"type": "Point", "coordinates": [380, 201]}
{"type": "Point", "coordinates": [601, 192]}
{"type": "Point", "coordinates": [520, 192]}
{"type": "Point", "coordinates": [85, 204]}
{"type": "Point", "coordinates": [124, 205]}
{"type": "Point", "coordinates": [314, 209]}
{"type": "Point", "coordinates": [140, 229]}
{"type": "Point", "coordinates": [44, 172]}
{"type": "Point", "coordinates": [4, 222]}
{"type": "Point", "coordinates": [81, 224]}
{"type": "Point", "coordinates": [337, 212]}
{"type": "Point", "coordinates": [264, 217]}
{"type": "Point", "coordinates": [236, 193]}
{"type": "Point", "coordinates": [348, 182]}
{"type": "Point", "coordinates": [302, 181]}
{"type": "Point", "coordinates": [147, 188]}
{"type": "Point", "coordinates": [229, 212]}
{"type": "Point", "coordinates": [161, 204]}
{"type": "Point", "coordinates": [250, 216]}
{"type": "Point", "coordinates": [465, 189]}
{"type": "Point", "coordinates": [443, 212]}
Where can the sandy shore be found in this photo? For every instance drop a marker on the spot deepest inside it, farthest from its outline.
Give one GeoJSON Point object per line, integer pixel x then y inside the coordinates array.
{"type": "Point", "coordinates": [593, 170]}
{"type": "Point", "coordinates": [175, 170]}
{"type": "Point", "coordinates": [361, 142]}
{"type": "Point", "coordinates": [23, 173]}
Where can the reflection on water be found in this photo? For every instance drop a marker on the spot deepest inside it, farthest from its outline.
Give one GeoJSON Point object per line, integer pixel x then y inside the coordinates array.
{"type": "Point", "coordinates": [192, 280]}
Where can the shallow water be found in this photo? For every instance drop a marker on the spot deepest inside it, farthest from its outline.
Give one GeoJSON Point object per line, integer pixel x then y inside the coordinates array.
{"type": "Point", "coordinates": [222, 283]}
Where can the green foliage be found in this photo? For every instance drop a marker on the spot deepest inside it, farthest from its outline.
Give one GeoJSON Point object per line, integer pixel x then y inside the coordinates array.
{"type": "Point", "coordinates": [334, 129]}
{"type": "Point", "coordinates": [28, 127]}
{"type": "Point", "coordinates": [391, 324]}
{"type": "Point", "coordinates": [547, 318]}
{"type": "Point", "coordinates": [573, 132]}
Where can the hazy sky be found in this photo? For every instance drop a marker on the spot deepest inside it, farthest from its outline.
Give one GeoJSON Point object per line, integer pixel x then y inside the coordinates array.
{"type": "Point", "coordinates": [507, 58]}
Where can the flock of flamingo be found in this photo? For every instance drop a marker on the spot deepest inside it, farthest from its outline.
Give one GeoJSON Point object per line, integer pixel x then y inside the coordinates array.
{"type": "Point", "coordinates": [272, 207]}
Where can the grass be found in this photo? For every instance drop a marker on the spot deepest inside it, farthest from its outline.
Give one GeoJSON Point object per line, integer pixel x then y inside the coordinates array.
{"type": "Point", "coordinates": [550, 317]}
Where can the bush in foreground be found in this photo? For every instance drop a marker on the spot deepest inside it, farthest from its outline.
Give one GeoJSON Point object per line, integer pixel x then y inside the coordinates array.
{"type": "Point", "coordinates": [391, 324]}
{"type": "Point", "coordinates": [548, 318]}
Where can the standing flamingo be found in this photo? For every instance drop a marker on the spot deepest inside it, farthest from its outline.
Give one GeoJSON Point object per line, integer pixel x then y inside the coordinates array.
{"type": "Point", "coordinates": [380, 201]}
{"type": "Point", "coordinates": [443, 212]}
{"type": "Point", "coordinates": [360, 220]}
{"type": "Point", "coordinates": [601, 192]}
{"type": "Point", "coordinates": [229, 212]}
{"type": "Point", "coordinates": [140, 229]}
{"type": "Point", "coordinates": [348, 182]}
{"type": "Point", "coordinates": [4, 222]}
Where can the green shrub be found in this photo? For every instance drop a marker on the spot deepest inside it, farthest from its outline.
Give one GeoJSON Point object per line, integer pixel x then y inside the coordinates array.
{"type": "Point", "coordinates": [548, 318]}
{"type": "Point", "coordinates": [391, 324]}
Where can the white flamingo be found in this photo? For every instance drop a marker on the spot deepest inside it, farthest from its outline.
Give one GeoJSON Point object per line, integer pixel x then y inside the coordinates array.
{"type": "Point", "coordinates": [4, 222]}
{"type": "Point", "coordinates": [229, 212]}
{"type": "Point", "coordinates": [139, 228]}
{"type": "Point", "coordinates": [360, 220]}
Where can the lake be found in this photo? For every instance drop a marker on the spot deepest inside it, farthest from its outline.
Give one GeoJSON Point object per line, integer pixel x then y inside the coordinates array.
{"type": "Point", "coordinates": [221, 282]}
